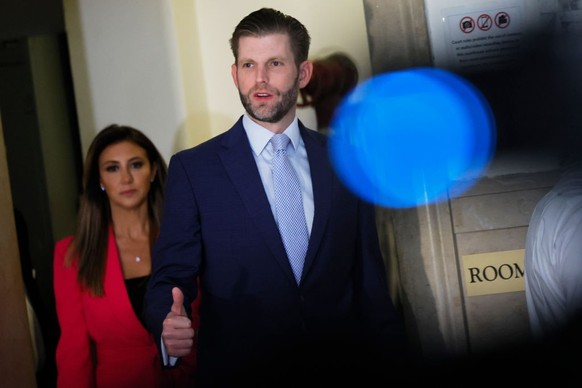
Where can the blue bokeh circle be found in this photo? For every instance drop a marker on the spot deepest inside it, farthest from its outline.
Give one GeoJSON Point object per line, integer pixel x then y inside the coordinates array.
{"type": "Point", "coordinates": [412, 137]}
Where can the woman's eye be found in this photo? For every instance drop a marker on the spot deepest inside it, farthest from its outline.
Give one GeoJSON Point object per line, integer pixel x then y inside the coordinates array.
{"type": "Point", "coordinates": [111, 168]}
{"type": "Point", "coordinates": [137, 165]}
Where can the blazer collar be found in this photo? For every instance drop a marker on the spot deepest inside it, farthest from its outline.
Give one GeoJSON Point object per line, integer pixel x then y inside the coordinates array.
{"type": "Point", "coordinates": [322, 179]}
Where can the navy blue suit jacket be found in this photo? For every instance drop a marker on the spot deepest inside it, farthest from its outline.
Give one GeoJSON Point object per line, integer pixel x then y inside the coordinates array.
{"type": "Point", "coordinates": [217, 224]}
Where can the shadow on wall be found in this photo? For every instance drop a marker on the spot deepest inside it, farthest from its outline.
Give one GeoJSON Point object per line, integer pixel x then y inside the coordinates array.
{"type": "Point", "coordinates": [41, 328]}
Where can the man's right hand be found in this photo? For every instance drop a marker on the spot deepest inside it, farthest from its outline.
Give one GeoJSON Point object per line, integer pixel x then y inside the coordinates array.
{"type": "Point", "coordinates": [177, 332]}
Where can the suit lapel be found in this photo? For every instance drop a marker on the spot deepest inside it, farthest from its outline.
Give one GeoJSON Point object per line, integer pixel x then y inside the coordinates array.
{"type": "Point", "coordinates": [322, 181]}
{"type": "Point", "coordinates": [240, 165]}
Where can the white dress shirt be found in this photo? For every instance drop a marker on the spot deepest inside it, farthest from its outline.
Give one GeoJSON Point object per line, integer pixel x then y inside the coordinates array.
{"type": "Point", "coordinates": [553, 257]}
{"type": "Point", "coordinates": [259, 138]}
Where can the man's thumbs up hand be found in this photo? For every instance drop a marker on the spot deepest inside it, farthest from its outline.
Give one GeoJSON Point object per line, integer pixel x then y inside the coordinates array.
{"type": "Point", "coordinates": [177, 332]}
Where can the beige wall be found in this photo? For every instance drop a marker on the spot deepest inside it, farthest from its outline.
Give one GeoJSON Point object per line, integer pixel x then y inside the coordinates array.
{"type": "Point", "coordinates": [164, 66]}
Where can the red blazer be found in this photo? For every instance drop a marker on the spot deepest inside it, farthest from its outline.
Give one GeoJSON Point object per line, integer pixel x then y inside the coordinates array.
{"type": "Point", "coordinates": [125, 353]}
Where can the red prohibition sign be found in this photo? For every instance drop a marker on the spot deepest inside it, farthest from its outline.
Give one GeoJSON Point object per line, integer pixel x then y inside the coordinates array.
{"type": "Point", "coordinates": [467, 24]}
{"type": "Point", "coordinates": [484, 22]}
{"type": "Point", "coordinates": [502, 19]}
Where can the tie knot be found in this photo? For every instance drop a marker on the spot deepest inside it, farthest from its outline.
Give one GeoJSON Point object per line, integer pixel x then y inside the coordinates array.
{"type": "Point", "coordinates": [280, 142]}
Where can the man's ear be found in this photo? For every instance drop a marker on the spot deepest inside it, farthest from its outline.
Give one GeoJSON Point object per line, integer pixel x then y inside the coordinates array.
{"type": "Point", "coordinates": [234, 74]}
{"type": "Point", "coordinates": [305, 72]}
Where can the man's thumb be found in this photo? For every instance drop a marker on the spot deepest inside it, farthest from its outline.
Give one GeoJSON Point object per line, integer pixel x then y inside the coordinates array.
{"type": "Point", "coordinates": [178, 305]}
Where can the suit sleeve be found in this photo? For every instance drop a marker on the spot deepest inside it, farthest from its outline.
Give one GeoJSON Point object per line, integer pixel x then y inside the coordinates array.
{"type": "Point", "coordinates": [73, 353]}
{"type": "Point", "coordinates": [177, 252]}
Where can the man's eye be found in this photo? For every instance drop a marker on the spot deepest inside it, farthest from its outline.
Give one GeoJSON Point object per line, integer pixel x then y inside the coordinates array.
{"type": "Point", "coordinates": [247, 65]}
{"type": "Point", "coordinates": [276, 63]}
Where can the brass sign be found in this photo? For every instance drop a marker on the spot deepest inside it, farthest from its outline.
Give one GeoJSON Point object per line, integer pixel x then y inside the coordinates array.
{"type": "Point", "coordinates": [494, 272]}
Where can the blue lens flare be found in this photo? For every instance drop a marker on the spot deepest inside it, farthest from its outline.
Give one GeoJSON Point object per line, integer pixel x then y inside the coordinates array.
{"type": "Point", "coordinates": [412, 137]}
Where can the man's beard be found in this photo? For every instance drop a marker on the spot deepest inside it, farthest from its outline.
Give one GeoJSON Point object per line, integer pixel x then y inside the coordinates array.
{"type": "Point", "coordinates": [275, 114]}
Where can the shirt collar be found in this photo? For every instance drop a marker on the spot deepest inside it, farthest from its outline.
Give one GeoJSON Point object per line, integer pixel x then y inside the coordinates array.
{"type": "Point", "coordinates": [260, 136]}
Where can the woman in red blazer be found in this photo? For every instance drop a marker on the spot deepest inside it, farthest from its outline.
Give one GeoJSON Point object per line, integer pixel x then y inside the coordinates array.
{"type": "Point", "coordinates": [101, 272]}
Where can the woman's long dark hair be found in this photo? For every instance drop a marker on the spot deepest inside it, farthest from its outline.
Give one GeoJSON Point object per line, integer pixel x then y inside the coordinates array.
{"type": "Point", "coordinates": [89, 244]}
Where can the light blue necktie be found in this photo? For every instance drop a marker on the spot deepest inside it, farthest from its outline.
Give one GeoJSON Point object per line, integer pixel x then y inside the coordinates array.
{"type": "Point", "coordinates": [289, 206]}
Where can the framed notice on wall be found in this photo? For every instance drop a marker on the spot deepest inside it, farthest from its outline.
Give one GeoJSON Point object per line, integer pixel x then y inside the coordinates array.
{"type": "Point", "coordinates": [470, 36]}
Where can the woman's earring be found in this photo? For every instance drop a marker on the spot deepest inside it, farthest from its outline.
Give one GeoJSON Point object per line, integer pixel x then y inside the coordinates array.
{"type": "Point", "coordinates": [102, 188]}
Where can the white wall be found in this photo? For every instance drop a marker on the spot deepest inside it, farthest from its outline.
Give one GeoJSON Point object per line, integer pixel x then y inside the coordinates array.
{"type": "Point", "coordinates": [164, 66]}
{"type": "Point", "coordinates": [124, 64]}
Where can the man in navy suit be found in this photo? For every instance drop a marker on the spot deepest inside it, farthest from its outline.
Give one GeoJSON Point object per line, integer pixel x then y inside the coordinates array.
{"type": "Point", "coordinates": [219, 240]}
